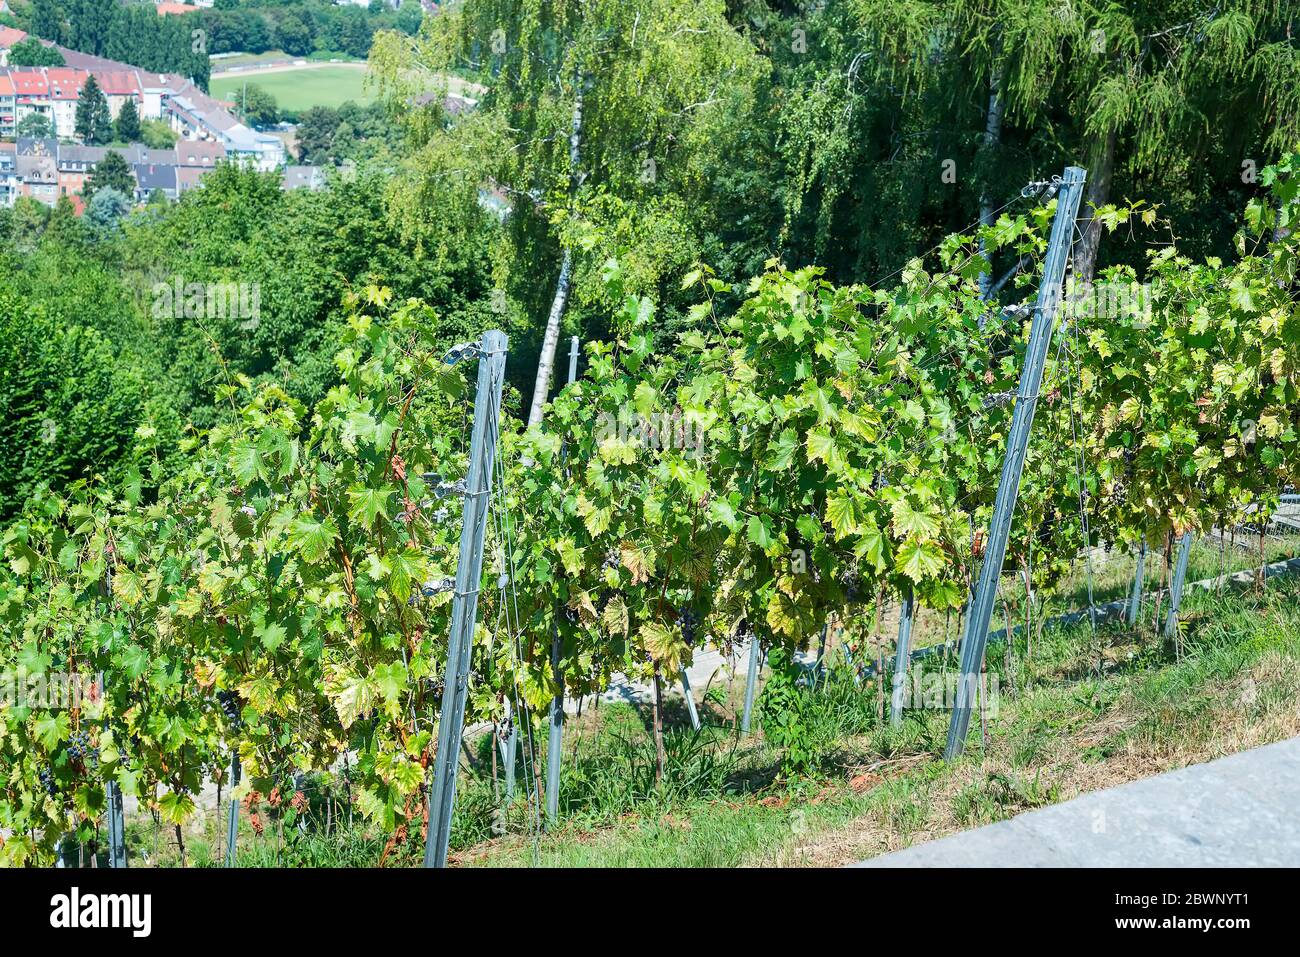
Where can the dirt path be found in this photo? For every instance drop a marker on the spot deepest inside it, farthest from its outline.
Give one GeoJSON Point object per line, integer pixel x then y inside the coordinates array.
{"type": "Point", "coordinates": [285, 66]}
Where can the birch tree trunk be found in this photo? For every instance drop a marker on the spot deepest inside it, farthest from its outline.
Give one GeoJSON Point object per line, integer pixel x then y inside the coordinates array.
{"type": "Point", "coordinates": [992, 138]}
{"type": "Point", "coordinates": [546, 361]}
{"type": "Point", "coordinates": [1099, 181]}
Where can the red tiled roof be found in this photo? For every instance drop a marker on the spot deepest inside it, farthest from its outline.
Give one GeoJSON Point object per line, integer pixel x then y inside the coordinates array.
{"type": "Point", "coordinates": [11, 35]}
{"type": "Point", "coordinates": [6, 85]}
{"type": "Point", "coordinates": [65, 84]}
{"type": "Point", "coordinates": [177, 8]}
{"type": "Point", "coordinates": [117, 82]}
{"type": "Point", "coordinates": [29, 82]}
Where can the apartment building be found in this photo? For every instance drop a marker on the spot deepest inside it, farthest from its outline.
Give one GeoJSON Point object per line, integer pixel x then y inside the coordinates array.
{"type": "Point", "coordinates": [8, 107]}
{"type": "Point", "coordinates": [10, 184]}
{"type": "Point", "coordinates": [198, 118]}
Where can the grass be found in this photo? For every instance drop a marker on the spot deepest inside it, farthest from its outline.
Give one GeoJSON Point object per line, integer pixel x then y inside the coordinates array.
{"type": "Point", "coordinates": [1083, 712]}
{"type": "Point", "coordinates": [1112, 572]}
{"type": "Point", "coordinates": [301, 89]}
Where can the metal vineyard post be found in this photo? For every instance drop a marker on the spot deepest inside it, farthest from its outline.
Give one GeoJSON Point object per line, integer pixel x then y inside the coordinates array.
{"type": "Point", "coordinates": [469, 571]}
{"type": "Point", "coordinates": [976, 635]}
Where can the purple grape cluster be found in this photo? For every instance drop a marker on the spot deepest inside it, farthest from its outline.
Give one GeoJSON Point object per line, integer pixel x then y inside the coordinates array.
{"type": "Point", "coordinates": [690, 623]}
{"type": "Point", "coordinates": [79, 747]}
{"type": "Point", "coordinates": [230, 707]}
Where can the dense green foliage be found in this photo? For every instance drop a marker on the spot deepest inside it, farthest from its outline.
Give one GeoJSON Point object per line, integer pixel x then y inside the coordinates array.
{"type": "Point", "coordinates": [300, 250]}
{"type": "Point", "coordinates": [790, 408]}
{"type": "Point", "coordinates": [816, 445]}
{"type": "Point", "coordinates": [136, 34]}
{"type": "Point", "coordinates": [302, 27]}
{"type": "Point", "coordinates": [31, 52]}
{"type": "Point", "coordinates": [330, 137]}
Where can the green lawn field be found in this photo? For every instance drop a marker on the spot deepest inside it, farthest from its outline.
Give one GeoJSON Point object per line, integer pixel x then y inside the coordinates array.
{"type": "Point", "coordinates": [300, 89]}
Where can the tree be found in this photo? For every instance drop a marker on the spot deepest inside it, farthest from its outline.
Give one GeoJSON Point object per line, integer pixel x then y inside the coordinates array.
{"type": "Point", "coordinates": [599, 115]}
{"type": "Point", "coordinates": [258, 107]}
{"type": "Point", "coordinates": [1162, 99]}
{"type": "Point", "coordinates": [35, 125]}
{"type": "Point", "coordinates": [295, 38]}
{"type": "Point", "coordinates": [65, 229]}
{"type": "Point", "coordinates": [111, 172]}
{"type": "Point", "coordinates": [46, 21]}
{"type": "Point", "coordinates": [28, 222]}
{"type": "Point", "coordinates": [157, 135]}
{"type": "Point", "coordinates": [72, 401]}
{"type": "Point", "coordinates": [105, 211]}
{"type": "Point", "coordinates": [315, 135]}
{"type": "Point", "coordinates": [90, 25]}
{"type": "Point", "coordinates": [127, 123]}
{"type": "Point", "coordinates": [94, 122]}
{"type": "Point", "coordinates": [32, 52]}
{"type": "Point", "coordinates": [409, 17]}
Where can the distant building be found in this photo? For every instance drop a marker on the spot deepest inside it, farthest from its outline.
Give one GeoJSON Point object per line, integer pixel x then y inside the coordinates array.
{"type": "Point", "coordinates": [8, 107]}
{"type": "Point", "coordinates": [209, 132]}
{"type": "Point", "coordinates": [137, 154]}
{"type": "Point", "coordinates": [453, 104]}
{"type": "Point", "coordinates": [200, 153]}
{"type": "Point", "coordinates": [64, 93]}
{"type": "Point", "coordinates": [8, 37]}
{"type": "Point", "coordinates": [303, 177]}
{"type": "Point", "coordinates": [196, 116]}
{"type": "Point", "coordinates": [31, 95]}
{"type": "Point", "coordinates": [495, 201]}
{"type": "Point", "coordinates": [10, 183]}
{"type": "Point", "coordinates": [75, 164]}
{"type": "Point", "coordinates": [37, 168]}
{"type": "Point", "coordinates": [150, 178]}
{"type": "Point", "coordinates": [120, 86]}
{"type": "Point", "coordinates": [188, 178]}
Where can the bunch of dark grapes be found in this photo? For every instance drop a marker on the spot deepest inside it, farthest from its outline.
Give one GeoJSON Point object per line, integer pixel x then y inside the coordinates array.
{"type": "Point", "coordinates": [850, 583]}
{"type": "Point", "coordinates": [47, 781]}
{"type": "Point", "coordinates": [79, 746]}
{"type": "Point", "coordinates": [230, 707]}
{"type": "Point", "coordinates": [612, 560]}
{"type": "Point", "coordinates": [690, 621]}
